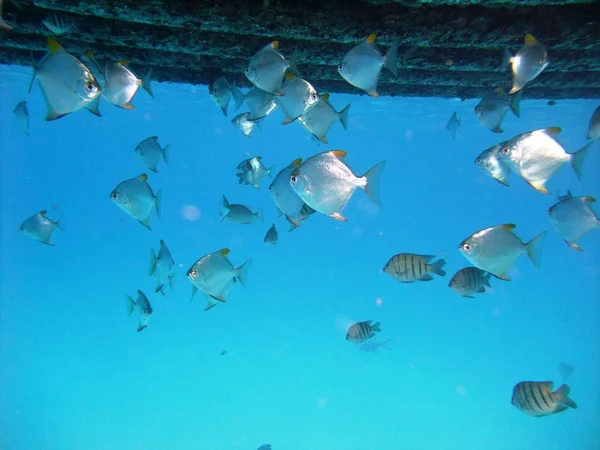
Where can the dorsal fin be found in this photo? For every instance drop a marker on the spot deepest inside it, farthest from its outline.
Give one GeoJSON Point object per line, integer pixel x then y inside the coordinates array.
{"type": "Point", "coordinates": [324, 97]}
{"type": "Point", "coordinates": [143, 177]}
{"type": "Point", "coordinates": [371, 38]}
{"type": "Point", "coordinates": [224, 252]}
{"type": "Point", "coordinates": [339, 154]}
{"type": "Point", "coordinates": [296, 163]}
{"type": "Point", "coordinates": [530, 40]}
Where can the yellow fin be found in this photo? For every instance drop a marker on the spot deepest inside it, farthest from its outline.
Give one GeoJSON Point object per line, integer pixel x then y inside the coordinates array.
{"type": "Point", "coordinates": [89, 54]}
{"type": "Point", "coordinates": [338, 216]}
{"type": "Point", "coordinates": [275, 44]}
{"type": "Point", "coordinates": [297, 162]}
{"type": "Point", "coordinates": [373, 93]}
{"type": "Point", "coordinates": [53, 45]}
{"type": "Point", "coordinates": [324, 97]}
{"type": "Point", "coordinates": [143, 177]}
{"type": "Point", "coordinates": [339, 154]}
{"type": "Point", "coordinates": [508, 226]}
{"type": "Point", "coordinates": [529, 39]}
{"type": "Point", "coordinates": [124, 63]}
{"type": "Point", "coordinates": [289, 76]}
{"type": "Point", "coordinates": [553, 130]}
{"type": "Point", "coordinates": [371, 38]}
{"type": "Point", "coordinates": [128, 106]}
{"type": "Point", "coordinates": [224, 252]}
{"type": "Point", "coordinates": [574, 246]}
{"type": "Point", "coordinates": [500, 88]}
{"type": "Point", "coordinates": [589, 199]}
{"type": "Point", "coordinates": [43, 213]}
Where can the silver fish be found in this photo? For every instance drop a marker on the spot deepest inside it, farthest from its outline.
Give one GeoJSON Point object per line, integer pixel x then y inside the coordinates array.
{"type": "Point", "coordinates": [299, 97]}
{"type": "Point", "coordinates": [151, 152]}
{"type": "Point", "coordinates": [361, 331]}
{"type": "Point", "coordinates": [160, 267]}
{"type": "Point", "coordinates": [537, 155]}
{"type": "Point", "coordinates": [496, 249]}
{"type": "Point", "coordinates": [253, 171]}
{"type": "Point", "coordinates": [135, 197]}
{"type": "Point", "coordinates": [144, 309]}
{"type": "Point", "coordinates": [22, 115]}
{"type": "Point", "coordinates": [319, 119]}
{"type": "Point", "coordinates": [408, 267]}
{"type": "Point", "coordinates": [260, 103]}
{"type": "Point", "coordinates": [267, 68]}
{"type": "Point", "coordinates": [453, 125]}
{"type": "Point", "coordinates": [220, 92]}
{"type": "Point", "coordinates": [372, 346]}
{"type": "Point", "coordinates": [239, 213]}
{"type": "Point", "coordinates": [594, 126]}
{"type": "Point", "coordinates": [573, 218]}
{"type": "Point", "coordinates": [493, 107]}
{"type": "Point", "coordinates": [326, 184]}
{"type": "Point", "coordinates": [527, 64]}
{"type": "Point", "coordinates": [245, 123]}
{"type": "Point", "coordinates": [39, 227]}
{"type": "Point", "coordinates": [470, 280]}
{"type": "Point", "coordinates": [59, 23]}
{"type": "Point", "coordinates": [66, 83]}
{"type": "Point", "coordinates": [271, 237]}
{"type": "Point", "coordinates": [535, 398]}
{"type": "Point", "coordinates": [3, 24]}
{"type": "Point", "coordinates": [493, 165]}
{"type": "Point", "coordinates": [565, 370]}
{"type": "Point", "coordinates": [284, 196]}
{"type": "Point", "coordinates": [361, 66]}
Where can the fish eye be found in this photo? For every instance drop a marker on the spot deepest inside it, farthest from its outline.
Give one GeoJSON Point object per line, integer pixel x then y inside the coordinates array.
{"type": "Point", "coordinates": [478, 161]}
{"type": "Point", "coordinates": [114, 195]}
{"type": "Point", "coordinates": [466, 247]}
{"type": "Point", "coordinates": [90, 87]}
{"type": "Point", "coordinates": [293, 179]}
{"type": "Point", "coordinates": [193, 273]}
{"type": "Point", "coordinates": [505, 150]}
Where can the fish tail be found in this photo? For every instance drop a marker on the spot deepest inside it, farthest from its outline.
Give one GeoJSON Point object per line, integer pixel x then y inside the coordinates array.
{"type": "Point", "coordinates": [344, 117]}
{"type": "Point", "coordinates": [152, 267]}
{"type": "Point", "coordinates": [506, 58]}
{"type": "Point", "coordinates": [242, 272]}
{"type": "Point", "coordinates": [146, 79]}
{"type": "Point", "coordinates": [515, 103]}
{"type": "Point", "coordinates": [292, 62]}
{"type": "Point", "coordinates": [130, 305]}
{"type": "Point", "coordinates": [238, 96]}
{"type": "Point", "coordinates": [372, 177]}
{"type": "Point", "coordinates": [436, 267]}
{"type": "Point", "coordinates": [561, 395]}
{"type": "Point", "coordinates": [376, 326]}
{"type": "Point", "coordinates": [390, 59]}
{"type": "Point", "coordinates": [534, 248]}
{"type": "Point", "coordinates": [166, 153]}
{"type": "Point", "coordinates": [259, 215]}
{"type": "Point", "coordinates": [157, 201]}
{"type": "Point", "coordinates": [578, 159]}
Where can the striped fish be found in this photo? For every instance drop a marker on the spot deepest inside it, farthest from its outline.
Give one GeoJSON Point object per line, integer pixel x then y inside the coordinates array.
{"type": "Point", "coordinates": [535, 398]}
{"type": "Point", "coordinates": [407, 267]}
{"type": "Point", "coordinates": [271, 236]}
{"type": "Point", "coordinates": [470, 280]}
{"type": "Point", "coordinates": [361, 331]}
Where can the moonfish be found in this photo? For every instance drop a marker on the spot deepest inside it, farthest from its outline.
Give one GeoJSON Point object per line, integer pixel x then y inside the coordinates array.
{"type": "Point", "coordinates": [239, 213]}
{"type": "Point", "coordinates": [144, 309]}
{"type": "Point", "coordinates": [453, 125]}
{"type": "Point", "coordinates": [535, 398]}
{"type": "Point", "coordinates": [271, 237]}
{"type": "Point", "coordinates": [325, 183]}
{"type": "Point", "coordinates": [220, 92]}
{"type": "Point", "coordinates": [319, 119]}
{"type": "Point", "coordinates": [594, 126]}
{"type": "Point", "coordinates": [160, 267]}
{"type": "Point", "coordinates": [150, 151]}
{"type": "Point", "coordinates": [361, 66]}
{"type": "Point", "coordinates": [299, 97]}
{"type": "Point", "coordinates": [469, 281]}
{"type": "Point", "coordinates": [260, 103]}
{"type": "Point", "coordinates": [267, 68]}
{"type": "Point", "coordinates": [493, 165]}
{"type": "Point", "coordinates": [66, 83]}
{"type": "Point", "coordinates": [39, 227]}
{"type": "Point", "coordinates": [408, 267]}
{"type": "Point", "coordinates": [284, 196]}
{"type": "Point", "coordinates": [252, 171]}
{"type": "Point", "coordinates": [245, 123]}
{"type": "Point", "coordinates": [573, 218]}
{"type": "Point", "coordinates": [22, 115]}
{"type": "Point", "coordinates": [135, 197]}
{"type": "Point", "coordinates": [496, 249]}
{"type": "Point", "coordinates": [361, 331]}
{"type": "Point", "coordinates": [527, 64]}
{"type": "Point", "coordinates": [494, 105]}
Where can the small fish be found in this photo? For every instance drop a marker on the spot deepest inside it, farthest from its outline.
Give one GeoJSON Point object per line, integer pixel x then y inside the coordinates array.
{"type": "Point", "coordinates": [470, 280]}
{"type": "Point", "coordinates": [372, 346]}
{"type": "Point", "coordinates": [271, 237]}
{"type": "Point", "coordinates": [565, 370]}
{"type": "Point", "coordinates": [160, 267]}
{"type": "Point", "coordinates": [573, 218]}
{"type": "Point", "coordinates": [39, 227]}
{"type": "Point", "coordinates": [305, 213]}
{"type": "Point", "coordinates": [144, 309]}
{"type": "Point", "coordinates": [493, 165]}
{"type": "Point", "coordinates": [551, 103]}
{"type": "Point", "coordinates": [260, 103]}
{"type": "Point", "coordinates": [361, 331]}
{"type": "Point", "coordinates": [594, 126]}
{"type": "Point", "coordinates": [527, 64]}
{"type": "Point", "coordinates": [361, 66]}
{"type": "Point", "coordinates": [299, 97]}
{"type": "Point", "coordinates": [267, 68]}
{"type": "Point", "coordinates": [496, 249]}
{"type": "Point", "coordinates": [67, 84]}
{"type": "Point", "coordinates": [214, 275]}
{"type": "Point", "coordinates": [3, 24]}
{"type": "Point", "coordinates": [245, 123]}
{"type": "Point", "coordinates": [220, 92]}
{"type": "Point", "coordinates": [453, 125]}
{"type": "Point", "coordinates": [326, 184]}
{"type": "Point", "coordinates": [408, 267]}
{"type": "Point", "coordinates": [136, 198]}
{"type": "Point", "coordinates": [319, 119]}
{"type": "Point", "coordinates": [59, 23]}
{"type": "Point", "coordinates": [493, 107]}
{"type": "Point", "coordinates": [151, 152]}
{"type": "Point", "coordinates": [22, 115]}
{"type": "Point", "coordinates": [287, 201]}
{"type": "Point", "coordinates": [253, 171]}
{"type": "Point", "coordinates": [239, 213]}
{"type": "Point", "coordinates": [535, 398]}
{"type": "Point", "coordinates": [537, 155]}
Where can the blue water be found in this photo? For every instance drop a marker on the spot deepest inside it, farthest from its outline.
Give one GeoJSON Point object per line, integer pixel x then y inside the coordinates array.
{"type": "Point", "coordinates": [75, 374]}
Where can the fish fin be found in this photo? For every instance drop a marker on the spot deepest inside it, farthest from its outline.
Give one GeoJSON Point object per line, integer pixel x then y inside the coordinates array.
{"type": "Point", "coordinates": [127, 106]}
{"type": "Point", "coordinates": [239, 97]}
{"type": "Point", "coordinates": [376, 326]}
{"type": "Point", "coordinates": [338, 216]}
{"type": "Point", "coordinates": [390, 60]}
{"type": "Point", "coordinates": [157, 202]}
{"type": "Point", "coordinates": [152, 267]}
{"type": "Point", "coordinates": [124, 63]}
{"type": "Point", "coordinates": [146, 79]}
{"type": "Point", "coordinates": [224, 108]}
{"type": "Point", "coordinates": [501, 276]}
{"type": "Point", "coordinates": [271, 169]}
{"type": "Point", "coordinates": [486, 279]}
{"type": "Point", "coordinates": [209, 304]}
{"type": "Point", "coordinates": [53, 46]}
{"type": "Point", "coordinates": [296, 163]}
{"type": "Point", "coordinates": [159, 288]}
{"type": "Point", "coordinates": [242, 272]}
{"type": "Point", "coordinates": [33, 76]}
{"type": "Point", "coordinates": [153, 169]}
{"type": "Point", "coordinates": [273, 45]}
{"type": "Point", "coordinates": [166, 153]}
{"type": "Point", "coordinates": [4, 25]}
{"type": "Point", "coordinates": [141, 327]}
{"type": "Point", "coordinates": [481, 289]}
{"type": "Point", "coordinates": [534, 248]}
{"type": "Point", "coordinates": [90, 55]}
{"type": "Point", "coordinates": [436, 267]}
{"type": "Point", "coordinates": [143, 177]}
{"type": "Point", "coordinates": [287, 121]}
{"type": "Point", "coordinates": [48, 243]}
{"type": "Point", "coordinates": [502, 181]}
{"type": "Point", "coordinates": [130, 305]}
{"type": "Point", "coordinates": [146, 222]}
{"type": "Point", "coordinates": [292, 63]}
{"type": "Point", "coordinates": [339, 154]}
{"type": "Point", "coordinates": [530, 40]}
{"type": "Point", "coordinates": [373, 93]}
{"type": "Point", "coordinates": [371, 38]}
{"type": "Point", "coordinates": [372, 177]}
{"type": "Point", "coordinates": [343, 116]}
{"type": "Point", "coordinates": [279, 213]}
{"type": "Point", "coordinates": [515, 103]}
{"type": "Point", "coordinates": [539, 186]}
{"type": "Point", "coordinates": [561, 395]}
{"type": "Point", "coordinates": [553, 130]}
{"type": "Point", "coordinates": [295, 222]}
{"type": "Point", "coordinates": [94, 106]}
{"type": "Point", "coordinates": [172, 281]}
{"type": "Point", "coordinates": [426, 277]}
{"type": "Point", "coordinates": [322, 139]}
{"type": "Point", "coordinates": [574, 246]}
{"type": "Point", "coordinates": [292, 227]}
{"type": "Point", "coordinates": [259, 215]}
{"type": "Point", "coordinates": [468, 296]}
{"type": "Point", "coordinates": [324, 97]}
{"type": "Point", "coordinates": [53, 115]}
{"type": "Point", "coordinates": [497, 129]}
{"type": "Point", "coordinates": [508, 226]}
{"type": "Point", "coordinates": [518, 84]}
{"type": "Point", "coordinates": [578, 159]}
{"type": "Point", "coordinates": [506, 58]}
{"type": "Point", "coordinates": [289, 76]}
{"type": "Point", "coordinates": [194, 290]}
{"type": "Point", "coordinates": [224, 252]}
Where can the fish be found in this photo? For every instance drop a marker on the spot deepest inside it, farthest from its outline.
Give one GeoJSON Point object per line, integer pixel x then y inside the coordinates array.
{"type": "Point", "coordinates": [271, 236]}
{"type": "Point", "coordinates": [494, 105]}
{"type": "Point", "coordinates": [160, 267]}
{"type": "Point", "coordinates": [551, 103]}
{"type": "Point", "coordinates": [535, 398]}
{"type": "Point", "coordinates": [361, 331]}
{"type": "Point", "coordinates": [496, 249]}
{"type": "Point", "coordinates": [59, 23]}
{"type": "Point", "coordinates": [527, 64]}
{"type": "Point", "coordinates": [325, 183]}
{"type": "Point", "coordinates": [239, 213]}
{"type": "Point", "coordinates": [66, 83]}
{"type": "Point", "coordinates": [287, 201]}
{"type": "Point", "coordinates": [144, 309]}
{"type": "Point", "coordinates": [260, 103]}
{"type": "Point", "coordinates": [573, 218]}
{"type": "Point", "coordinates": [594, 125]}
{"type": "Point", "coordinates": [470, 280]}
{"type": "Point", "coordinates": [362, 65]}
{"type": "Point", "coordinates": [305, 213]}
{"type": "Point", "coordinates": [453, 125]}
{"type": "Point", "coordinates": [136, 198]}
{"type": "Point", "coordinates": [319, 119]}
{"type": "Point", "coordinates": [408, 267]}
{"type": "Point", "coordinates": [493, 165]}
{"type": "Point", "coordinates": [264, 447]}
{"type": "Point", "coordinates": [253, 171]}
{"type": "Point", "coordinates": [245, 123]}
{"type": "Point", "coordinates": [150, 151]}
{"type": "Point", "coordinates": [537, 155]}
{"type": "Point", "coordinates": [372, 346]}
{"type": "Point", "coordinates": [299, 97]}
{"type": "Point", "coordinates": [223, 352]}
{"type": "Point", "coordinates": [214, 275]}
{"type": "Point", "coordinates": [22, 115]}
{"type": "Point", "coordinates": [565, 370]}
{"type": "Point", "coordinates": [267, 68]}
{"type": "Point", "coordinates": [220, 91]}
{"type": "Point", "coordinates": [3, 24]}
{"type": "Point", "coordinates": [40, 227]}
